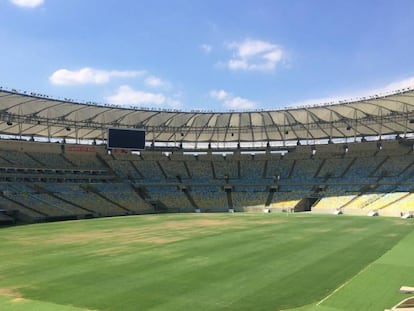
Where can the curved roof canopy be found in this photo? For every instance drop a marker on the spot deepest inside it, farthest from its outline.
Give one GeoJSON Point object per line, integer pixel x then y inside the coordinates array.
{"type": "Point", "coordinates": [36, 115]}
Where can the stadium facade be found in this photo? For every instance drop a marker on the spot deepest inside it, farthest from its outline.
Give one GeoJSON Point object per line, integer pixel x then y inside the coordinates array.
{"type": "Point", "coordinates": [349, 157]}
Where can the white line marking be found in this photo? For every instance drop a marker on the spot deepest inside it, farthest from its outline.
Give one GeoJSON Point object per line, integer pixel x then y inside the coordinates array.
{"type": "Point", "coordinates": [346, 283]}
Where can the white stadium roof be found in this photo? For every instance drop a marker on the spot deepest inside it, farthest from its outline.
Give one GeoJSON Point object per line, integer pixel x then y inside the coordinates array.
{"type": "Point", "coordinates": [31, 114]}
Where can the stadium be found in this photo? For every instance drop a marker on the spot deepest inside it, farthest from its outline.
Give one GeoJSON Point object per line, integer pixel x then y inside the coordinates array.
{"type": "Point", "coordinates": [353, 157]}
{"type": "Point", "coordinates": [252, 210]}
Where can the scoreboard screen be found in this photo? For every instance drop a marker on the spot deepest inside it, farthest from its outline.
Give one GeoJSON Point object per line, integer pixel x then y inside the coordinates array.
{"type": "Point", "coordinates": [133, 139]}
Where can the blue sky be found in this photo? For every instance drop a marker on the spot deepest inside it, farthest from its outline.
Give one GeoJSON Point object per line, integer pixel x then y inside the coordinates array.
{"type": "Point", "coordinates": [212, 55]}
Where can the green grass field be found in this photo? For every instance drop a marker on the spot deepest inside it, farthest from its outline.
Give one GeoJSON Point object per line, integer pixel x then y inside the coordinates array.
{"type": "Point", "coordinates": [242, 261]}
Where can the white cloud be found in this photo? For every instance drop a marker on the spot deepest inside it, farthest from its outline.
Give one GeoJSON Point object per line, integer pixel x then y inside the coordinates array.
{"type": "Point", "coordinates": [27, 3]}
{"type": "Point", "coordinates": [89, 76]}
{"type": "Point", "coordinates": [128, 96]}
{"type": "Point", "coordinates": [239, 103]}
{"type": "Point", "coordinates": [153, 81]}
{"type": "Point", "coordinates": [156, 82]}
{"type": "Point", "coordinates": [391, 87]}
{"type": "Point", "coordinates": [232, 102]}
{"type": "Point", "coordinates": [219, 95]}
{"type": "Point", "coordinates": [397, 85]}
{"type": "Point", "coordinates": [206, 48]}
{"type": "Point", "coordinates": [255, 55]}
{"type": "Point", "coordinates": [236, 64]}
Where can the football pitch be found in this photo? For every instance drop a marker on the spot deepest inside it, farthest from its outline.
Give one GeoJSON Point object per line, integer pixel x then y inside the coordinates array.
{"type": "Point", "coordinates": [242, 261]}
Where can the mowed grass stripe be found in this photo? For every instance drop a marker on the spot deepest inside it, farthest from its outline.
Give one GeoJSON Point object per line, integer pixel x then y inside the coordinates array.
{"type": "Point", "coordinates": [208, 262]}
{"type": "Point", "coordinates": [377, 287]}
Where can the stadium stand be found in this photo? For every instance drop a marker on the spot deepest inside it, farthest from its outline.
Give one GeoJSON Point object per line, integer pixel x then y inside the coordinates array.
{"type": "Point", "coordinates": [387, 200]}
{"type": "Point", "coordinates": [49, 187]}
{"type": "Point", "coordinates": [201, 169]}
{"type": "Point", "coordinates": [45, 181]}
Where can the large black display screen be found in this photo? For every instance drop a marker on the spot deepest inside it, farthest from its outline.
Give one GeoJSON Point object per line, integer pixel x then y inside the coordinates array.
{"type": "Point", "coordinates": [126, 139]}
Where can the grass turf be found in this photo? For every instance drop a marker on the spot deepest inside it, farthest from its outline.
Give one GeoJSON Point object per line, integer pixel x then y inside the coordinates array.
{"type": "Point", "coordinates": [205, 262]}
{"type": "Point", "coordinates": [377, 285]}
